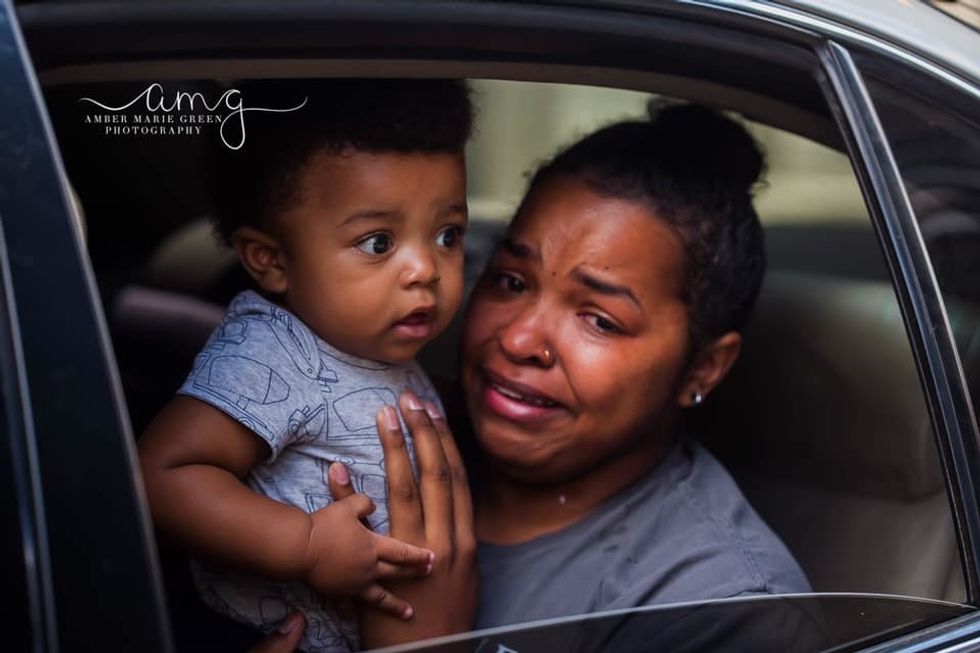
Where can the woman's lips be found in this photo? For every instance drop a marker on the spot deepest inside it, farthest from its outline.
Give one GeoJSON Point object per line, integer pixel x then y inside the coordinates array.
{"type": "Point", "coordinates": [516, 401]}
{"type": "Point", "coordinates": [416, 325]}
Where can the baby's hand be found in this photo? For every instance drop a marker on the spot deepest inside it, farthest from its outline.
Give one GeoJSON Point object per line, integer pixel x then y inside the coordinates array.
{"type": "Point", "coordinates": [345, 558]}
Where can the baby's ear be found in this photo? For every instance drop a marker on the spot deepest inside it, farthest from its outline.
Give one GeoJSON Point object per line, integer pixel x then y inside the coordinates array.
{"type": "Point", "coordinates": [262, 257]}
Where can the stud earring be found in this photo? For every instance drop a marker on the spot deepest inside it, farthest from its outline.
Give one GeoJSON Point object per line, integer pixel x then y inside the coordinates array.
{"type": "Point", "coordinates": [697, 397]}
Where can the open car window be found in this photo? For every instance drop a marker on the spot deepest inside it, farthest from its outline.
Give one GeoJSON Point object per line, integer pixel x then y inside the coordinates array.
{"type": "Point", "coordinates": [822, 422]}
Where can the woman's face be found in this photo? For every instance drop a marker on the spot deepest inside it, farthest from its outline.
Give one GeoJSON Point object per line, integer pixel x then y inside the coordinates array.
{"type": "Point", "coordinates": [575, 337]}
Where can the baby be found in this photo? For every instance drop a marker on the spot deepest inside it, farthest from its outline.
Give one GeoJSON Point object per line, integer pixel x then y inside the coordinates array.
{"type": "Point", "coordinates": [349, 216]}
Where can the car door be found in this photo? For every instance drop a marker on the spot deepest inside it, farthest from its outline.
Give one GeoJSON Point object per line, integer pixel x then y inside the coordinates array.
{"type": "Point", "coordinates": [76, 541]}
{"type": "Point", "coordinates": [81, 500]}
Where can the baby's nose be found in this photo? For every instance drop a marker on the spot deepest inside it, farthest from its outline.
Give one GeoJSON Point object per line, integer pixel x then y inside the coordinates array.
{"type": "Point", "coordinates": [420, 269]}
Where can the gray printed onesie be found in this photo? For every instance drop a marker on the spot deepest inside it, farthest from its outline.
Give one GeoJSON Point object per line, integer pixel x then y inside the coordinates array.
{"type": "Point", "coordinates": [312, 405]}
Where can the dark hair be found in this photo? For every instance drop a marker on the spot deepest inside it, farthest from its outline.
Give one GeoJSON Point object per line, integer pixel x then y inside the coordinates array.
{"type": "Point", "coordinates": [695, 169]}
{"type": "Point", "coordinates": [256, 183]}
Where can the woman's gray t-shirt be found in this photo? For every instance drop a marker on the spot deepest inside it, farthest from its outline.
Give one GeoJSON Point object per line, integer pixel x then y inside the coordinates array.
{"type": "Point", "coordinates": [684, 532]}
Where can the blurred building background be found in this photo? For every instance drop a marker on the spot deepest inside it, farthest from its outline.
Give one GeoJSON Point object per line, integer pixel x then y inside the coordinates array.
{"type": "Point", "coordinates": [522, 124]}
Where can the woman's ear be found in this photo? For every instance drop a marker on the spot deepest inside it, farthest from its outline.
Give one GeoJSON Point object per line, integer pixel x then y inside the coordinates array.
{"type": "Point", "coordinates": [709, 368]}
{"type": "Point", "coordinates": [262, 257]}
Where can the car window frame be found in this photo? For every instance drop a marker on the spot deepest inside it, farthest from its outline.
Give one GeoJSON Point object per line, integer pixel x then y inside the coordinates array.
{"type": "Point", "coordinates": [921, 303]}
{"type": "Point", "coordinates": [919, 295]}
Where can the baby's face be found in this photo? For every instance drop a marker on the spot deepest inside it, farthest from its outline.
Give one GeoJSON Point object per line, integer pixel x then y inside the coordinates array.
{"type": "Point", "coordinates": [373, 250]}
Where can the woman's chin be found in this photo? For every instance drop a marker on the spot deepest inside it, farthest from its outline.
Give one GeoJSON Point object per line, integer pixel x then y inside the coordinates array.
{"type": "Point", "coordinates": [516, 448]}
{"type": "Point", "coordinates": [517, 434]}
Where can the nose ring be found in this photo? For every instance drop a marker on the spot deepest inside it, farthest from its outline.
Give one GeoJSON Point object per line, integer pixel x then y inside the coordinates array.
{"type": "Point", "coordinates": [547, 356]}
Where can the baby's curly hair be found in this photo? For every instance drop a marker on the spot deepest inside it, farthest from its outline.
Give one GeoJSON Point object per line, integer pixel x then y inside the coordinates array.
{"type": "Point", "coordinates": [255, 184]}
{"type": "Point", "coordinates": [695, 169]}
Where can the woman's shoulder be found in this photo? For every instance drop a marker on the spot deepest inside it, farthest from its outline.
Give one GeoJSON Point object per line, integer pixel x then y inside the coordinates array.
{"type": "Point", "coordinates": [699, 538]}
{"type": "Point", "coordinates": [722, 503]}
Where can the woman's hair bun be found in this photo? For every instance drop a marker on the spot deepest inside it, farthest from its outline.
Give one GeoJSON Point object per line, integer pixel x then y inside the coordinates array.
{"type": "Point", "coordinates": [708, 145]}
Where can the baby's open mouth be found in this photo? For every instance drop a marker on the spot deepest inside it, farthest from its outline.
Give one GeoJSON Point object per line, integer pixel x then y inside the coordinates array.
{"type": "Point", "coordinates": [420, 316]}
{"type": "Point", "coordinates": [418, 324]}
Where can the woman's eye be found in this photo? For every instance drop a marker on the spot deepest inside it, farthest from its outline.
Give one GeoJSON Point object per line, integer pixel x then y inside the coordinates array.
{"type": "Point", "coordinates": [602, 324]}
{"type": "Point", "coordinates": [509, 282]}
{"type": "Point", "coordinates": [449, 237]}
{"type": "Point", "coordinates": [375, 244]}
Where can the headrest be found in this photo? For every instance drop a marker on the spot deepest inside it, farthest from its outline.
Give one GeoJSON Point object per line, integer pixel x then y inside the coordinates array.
{"type": "Point", "coordinates": [826, 392]}
{"type": "Point", "coordinates": [163, 317]}
{"type": "Point", "coordinates": [190, 260]}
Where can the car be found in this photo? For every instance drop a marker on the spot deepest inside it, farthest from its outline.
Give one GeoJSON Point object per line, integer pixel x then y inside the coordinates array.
{"type": "Point", "coordinates": [850, 421]}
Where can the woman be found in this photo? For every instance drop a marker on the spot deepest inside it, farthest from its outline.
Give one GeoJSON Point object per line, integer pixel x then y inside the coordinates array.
{"type": "Point", "coordinates": [612, 306]}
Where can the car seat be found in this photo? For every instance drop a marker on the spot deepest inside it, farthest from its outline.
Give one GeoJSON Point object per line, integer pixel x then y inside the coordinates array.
{"type": "Point", "coordinates": [823, 423]}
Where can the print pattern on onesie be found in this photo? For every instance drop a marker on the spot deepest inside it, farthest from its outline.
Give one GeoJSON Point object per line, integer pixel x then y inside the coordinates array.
{"type": "Point", "coordinates": [312, 405]}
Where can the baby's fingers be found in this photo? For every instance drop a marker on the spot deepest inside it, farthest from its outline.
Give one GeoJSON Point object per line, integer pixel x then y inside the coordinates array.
{"type": "Point", "coordinates": [359, 504]}
{"type": "Point", "coordinates": [380, 598]}
{"type": "Point", "coordinates": [338, 479]}
{"type": "Point", "coordinates": [389, 549]}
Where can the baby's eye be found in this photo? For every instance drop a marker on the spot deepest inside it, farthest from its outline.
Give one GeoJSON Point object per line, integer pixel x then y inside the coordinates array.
{"type": "Point", "coordinates": [449, 237]}
{"type": "Point", "coordinates": [601, 324]}
{"type": "Point", "coordinates": [375, 244]}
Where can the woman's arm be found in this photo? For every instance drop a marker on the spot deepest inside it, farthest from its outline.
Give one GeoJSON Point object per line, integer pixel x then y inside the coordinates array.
{"type": "Point", "coordinates": [435, 513]}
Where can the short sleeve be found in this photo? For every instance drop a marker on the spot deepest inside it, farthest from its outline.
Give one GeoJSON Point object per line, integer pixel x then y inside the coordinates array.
{"type": "Point", "coordinates": [261, 367]}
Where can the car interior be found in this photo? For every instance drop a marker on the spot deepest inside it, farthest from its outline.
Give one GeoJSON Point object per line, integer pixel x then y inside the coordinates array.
{"type": "Point", "coordinates": [822, 422]}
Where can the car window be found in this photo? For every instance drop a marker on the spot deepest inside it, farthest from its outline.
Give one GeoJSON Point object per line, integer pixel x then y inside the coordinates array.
{"type": "Point", "coordinates": [827, 307]}
{"type": "Point", "coordinates": [934, 133]}
{"type": "Point", "coordinates": [755, 623]}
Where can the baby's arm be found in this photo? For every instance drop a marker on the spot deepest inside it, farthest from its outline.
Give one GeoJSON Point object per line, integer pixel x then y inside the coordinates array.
{"type": "Point", "coordinates": [194, 458]}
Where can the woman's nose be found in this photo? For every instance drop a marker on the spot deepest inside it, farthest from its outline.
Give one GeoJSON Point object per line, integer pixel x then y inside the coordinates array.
{"type": "Point", "coordinates": [420, 268]}
{"type": "Point", "coordinates": [525, 340]}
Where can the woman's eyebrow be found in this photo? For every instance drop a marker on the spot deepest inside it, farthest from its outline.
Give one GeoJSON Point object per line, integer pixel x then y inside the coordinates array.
{"type": "Point", "coordinates": [520, 250]}
{"type": "Point", "coordinates": [604, 287]}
